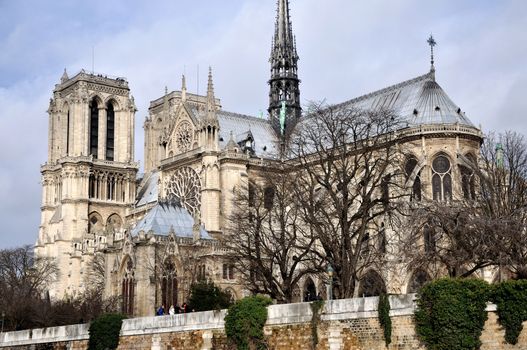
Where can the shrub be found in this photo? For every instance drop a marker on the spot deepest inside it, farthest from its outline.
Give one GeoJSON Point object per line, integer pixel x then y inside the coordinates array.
{"type": "Point", "coordinates": [384, 318]}
{"type": "Point", "coordinates": [511, 300]}
{"type": "Point", "coordinates": [245, 321]}
{"type": "Point", "coordinates": [451, 313]}
{"type": "Point", "coordinates": [205, 296]}
{"type": "Point", "coordinates": [104, 332]}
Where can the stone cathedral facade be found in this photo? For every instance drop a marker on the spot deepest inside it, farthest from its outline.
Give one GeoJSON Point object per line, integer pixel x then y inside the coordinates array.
{"type": "Point", "coordinates": [155, 233]}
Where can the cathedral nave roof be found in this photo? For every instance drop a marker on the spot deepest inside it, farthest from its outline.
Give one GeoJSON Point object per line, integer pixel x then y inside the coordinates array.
{"type": "Point", "coordinates": [417, 101]}
{"type": "Point", "coordinates": [164, 218]}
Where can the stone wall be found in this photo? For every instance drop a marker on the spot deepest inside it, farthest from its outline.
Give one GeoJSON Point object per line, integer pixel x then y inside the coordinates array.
{"type": "Point", "coordinates": [349, 324]}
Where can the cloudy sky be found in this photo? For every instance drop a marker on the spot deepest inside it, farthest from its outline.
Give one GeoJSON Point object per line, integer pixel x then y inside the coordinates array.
{"type": "Point", "coordinates": [347, 48]}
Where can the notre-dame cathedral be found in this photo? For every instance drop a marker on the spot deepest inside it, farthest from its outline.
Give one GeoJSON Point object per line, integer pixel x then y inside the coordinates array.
{"type": "Point", "coordinates": [157, 232]}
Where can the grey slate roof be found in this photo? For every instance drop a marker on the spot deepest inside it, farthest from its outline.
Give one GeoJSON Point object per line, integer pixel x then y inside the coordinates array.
{"type": "Point", "coordinates": [417, 101]}
{"type": "Point", "coordinates": [164, 217]}
{"type": "Point", "coordinates": [241, 125]}
{"type": "Point", "coordinates": [148, 190]}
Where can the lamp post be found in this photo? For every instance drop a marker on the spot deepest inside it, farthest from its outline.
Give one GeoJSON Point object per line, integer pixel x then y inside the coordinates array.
{"type": "Point", "coordinates": [330, 275]}
{"type": "Point", "coordinates": [3, 316]}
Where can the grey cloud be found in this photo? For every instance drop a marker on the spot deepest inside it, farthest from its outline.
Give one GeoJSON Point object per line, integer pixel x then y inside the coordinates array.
{"type": "Point", "coordinates": [346, 48]}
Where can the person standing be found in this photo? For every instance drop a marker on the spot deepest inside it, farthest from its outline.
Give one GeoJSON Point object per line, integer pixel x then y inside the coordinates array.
{"type": "Point", "coordinates": [161, 310]}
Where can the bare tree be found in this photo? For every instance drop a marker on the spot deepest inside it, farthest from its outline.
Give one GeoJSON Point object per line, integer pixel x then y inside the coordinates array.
{"type": "Point", "coordinates": [347, 184]}
{"type": "Point", "coordinates": [270, 245]}
{"type": "Point", "coordinates": [486, 224]}
{"type": "Point", "coordinates": [23, 281]}
{"type": "Point", "coordinates": [452, 238]}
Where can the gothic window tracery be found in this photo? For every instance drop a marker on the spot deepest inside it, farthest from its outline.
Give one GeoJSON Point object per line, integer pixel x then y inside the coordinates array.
{"type": "Point", "coordinates": [95, 223]}
{"type": "Point", "coordinates": [183, 136]}
{"type": "Point", "coordinates": [429, 239]}
{"type": "Point", "coordinates": [371, 284]}
{"type": "Point", "coordinates": [128, 288]}
{"type": "Point", "coordinates": [113, 224]}
{"type": "Point", "coordinates": [169, 284]}
{"type": "Point", "coordinates": [184, 186]}
{"type": "Point", "coordinates": [441, 178]}
{"type": "Point", "coordinates": [409, 168]}
{"type": "Point", "coordinates": [468, 185]}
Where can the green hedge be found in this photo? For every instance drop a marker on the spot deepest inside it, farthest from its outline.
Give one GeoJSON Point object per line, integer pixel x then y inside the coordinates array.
{"type": "Point", "coordinates": [384, 318]}
{"type": "Point", "coordinates": [451, 313]}
{"type": "Point", "coordinates": [245, 321]}
{"type": "Point", "coordinates": [511, 300]}
{"type": "Point", "coordinates": [205, 296]}
{"type": "Point", "coordinates": [104, 332]}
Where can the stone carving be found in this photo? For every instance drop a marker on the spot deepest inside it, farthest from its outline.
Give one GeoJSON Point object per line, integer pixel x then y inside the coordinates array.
{"type": "Point", "coordinates": [184, 186]}
{"type": "Point", "coordinates": [183, 136]}
{"type": "Point", "coordinates": [107, 89]}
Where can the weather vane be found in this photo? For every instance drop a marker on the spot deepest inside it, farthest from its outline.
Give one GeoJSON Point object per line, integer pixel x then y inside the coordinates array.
{"type": "Point", "coordinates": [432, 43]}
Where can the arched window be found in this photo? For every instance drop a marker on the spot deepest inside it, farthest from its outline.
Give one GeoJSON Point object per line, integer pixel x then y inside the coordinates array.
{"type": "Point", "coordinates": [385, 188]}
{"type": "Point", "coordinates": [169, 284]}
{"type": "Point", "coordinates": [382, 239]}
{"type": "Point", "coordinates": [429, 239]}
{"type": "Point", "coordinates": [113, 224]}
{"type": "Point", "coordinates": [92, 188]}
{"type": "Point", "coordinates": [110, 132]}
{"type": "Point", "coordinates": [228, 271]}
{"type": "Point", "coordinates": [441, 178]}
{"type": "Point", "coordinates": [371, 284]}
{"type": "Point", "coordinates": [251, 195]}
{"type": "Point", "coordinates": [68, 133]}
{"type": "Point", "coordinates": [310, 290]}
{"type": "Point", "coordinates": [128, 286]}
{"type": "Point", "coordinates": [409, 168]}
{"type": "Point", "coordinates": [202, 272]}
{"type": "Point", "coordinates": [268, 197]}
{"type": "Point", "coordinates": [417, 281]}
{"type": "Point", "coordinates": [95, 223]}
{"type": "Point", "coordinates": [94, 128]}
{"type": "Point", "coordinates": [467, 180]}
{"type": "Point", "coordinates": [365, 245]}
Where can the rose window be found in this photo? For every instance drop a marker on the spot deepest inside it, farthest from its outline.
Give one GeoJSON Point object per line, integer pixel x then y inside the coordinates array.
{"type": "Point", "coordinates": [184, 186]}
{"type": "Point", "coordinates": [183, 137]}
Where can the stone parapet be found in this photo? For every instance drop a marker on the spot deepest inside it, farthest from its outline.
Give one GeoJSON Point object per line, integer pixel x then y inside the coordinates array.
{"type": "Point", "coordinates": [45, 335]}
{"type": "Point", "coordinates": [350, 324]}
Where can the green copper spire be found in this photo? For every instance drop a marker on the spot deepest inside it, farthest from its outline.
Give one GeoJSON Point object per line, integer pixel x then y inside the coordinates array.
{"type": "Point", "coordinates": [282, 118]}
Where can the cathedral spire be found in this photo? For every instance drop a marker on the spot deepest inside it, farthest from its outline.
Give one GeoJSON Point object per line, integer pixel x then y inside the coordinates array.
{"type": "Point", "coordinates": [211, 100]}
{"type": "Point", "coordinates": [283, 32]}
{"type": "Point", "coordinates": [183, 88]}
{"type": "Point", "coordinates": [284, 93]}
{"type": "Point", "coordinates": [432, 43]}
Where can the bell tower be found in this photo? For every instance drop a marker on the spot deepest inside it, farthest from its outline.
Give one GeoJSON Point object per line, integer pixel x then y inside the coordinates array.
{"type": "Point", "coordinates": [88, 181]}
{"type": "Point", "coordinates": [284, 92]}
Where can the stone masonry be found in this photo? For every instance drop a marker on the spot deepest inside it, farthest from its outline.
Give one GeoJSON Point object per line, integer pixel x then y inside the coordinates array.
{"type": "Point", "coordinates": [349, 324]}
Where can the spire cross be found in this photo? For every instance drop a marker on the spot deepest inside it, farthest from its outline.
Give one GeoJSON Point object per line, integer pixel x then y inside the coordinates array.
{"type": "Point", "coordinates": [432, 43]}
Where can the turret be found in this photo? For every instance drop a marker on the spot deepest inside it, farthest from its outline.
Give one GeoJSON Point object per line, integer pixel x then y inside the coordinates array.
{"type": "Point", "coordinates": [284, 93]}
{"type": "Point", "coordinates": [209, 123]}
